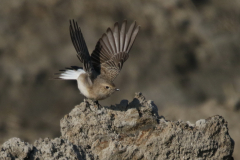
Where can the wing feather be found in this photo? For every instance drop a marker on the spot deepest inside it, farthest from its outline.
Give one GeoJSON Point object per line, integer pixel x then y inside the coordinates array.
{"type": "Point", "coordinates": [81, 47]}
{"type": "Point", "coordinates": [116, 36]}
{"type": "Point", "coordinates": [111, 40]}
{"type": "Point", "coordinates": [107, 43]}
{"type": "Point", "coordinates": [112, 49]}
{"type": "Point", "coordinates": [122, 35]}
{"type": "Point", "coordinates": [133, 37]}
{"type": "Point", "coordinates": [128, 35]}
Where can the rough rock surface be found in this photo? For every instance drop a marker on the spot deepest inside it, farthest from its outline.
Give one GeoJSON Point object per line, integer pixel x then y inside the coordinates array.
{"type": "Point", "coordinates": [127, 131]}
{"type": "Point", "coordinates": [57, 148]}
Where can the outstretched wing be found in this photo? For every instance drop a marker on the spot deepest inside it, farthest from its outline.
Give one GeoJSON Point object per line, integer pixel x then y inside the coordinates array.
{"type": "Point", "coordinates": [81, 47]}
{"type": "Point", "coordinates": [112, 49]}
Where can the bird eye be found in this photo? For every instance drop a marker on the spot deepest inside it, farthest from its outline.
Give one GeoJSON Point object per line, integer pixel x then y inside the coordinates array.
{"type": "Point", "coordinates": [107, 87]}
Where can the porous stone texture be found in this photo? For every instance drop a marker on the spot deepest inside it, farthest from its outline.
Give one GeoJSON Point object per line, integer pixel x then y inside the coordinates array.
{"type": "Point", "coordinates": [15, 148]}
{"type": "Point", "coordinates": [127, 131]}
{"type": "Point", "coordinates": [54, 149]}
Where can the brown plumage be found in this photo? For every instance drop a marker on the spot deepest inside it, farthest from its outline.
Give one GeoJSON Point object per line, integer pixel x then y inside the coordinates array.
{"type": "Point", "coordinates": [95, 79]}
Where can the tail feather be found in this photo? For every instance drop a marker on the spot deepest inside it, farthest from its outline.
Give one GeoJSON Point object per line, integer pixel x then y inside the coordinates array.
{"type": "Point", "coordinates": [70, 73]}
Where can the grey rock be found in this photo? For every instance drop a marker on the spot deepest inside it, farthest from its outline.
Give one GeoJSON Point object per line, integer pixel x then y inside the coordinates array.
{"type": "Point", "coordinates": [54, 149]}
{"type": "Point", "coordinates": [15, 148]}
{"type": "Point", "coordinates": [136, 131]}
{"type": "Point", "coordinates": [127, 131]}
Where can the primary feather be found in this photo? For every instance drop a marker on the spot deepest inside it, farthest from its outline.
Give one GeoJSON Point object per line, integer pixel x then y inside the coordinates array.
{"type": "Point", "coordinates": [112, 49]}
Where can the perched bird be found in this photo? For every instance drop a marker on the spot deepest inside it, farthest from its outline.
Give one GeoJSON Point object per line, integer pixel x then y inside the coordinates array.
{"type": "Point", "coordinates": [95, 78]}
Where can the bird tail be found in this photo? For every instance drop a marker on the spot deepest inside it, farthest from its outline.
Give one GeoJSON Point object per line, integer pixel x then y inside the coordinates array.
{"type": "Point", "coordinates": [71, 73]}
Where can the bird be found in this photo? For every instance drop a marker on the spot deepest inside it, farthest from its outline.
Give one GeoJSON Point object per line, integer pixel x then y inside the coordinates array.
{"type": "Point", "coordinates": [95, 78]}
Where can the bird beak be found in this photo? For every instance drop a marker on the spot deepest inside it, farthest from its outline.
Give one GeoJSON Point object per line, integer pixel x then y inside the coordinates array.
{"type": "Point", "coordinates": [117, 89]}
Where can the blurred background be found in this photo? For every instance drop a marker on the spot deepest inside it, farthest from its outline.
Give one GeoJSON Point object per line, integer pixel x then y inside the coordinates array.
{"type": "Point", "coordinates": [185, 58]}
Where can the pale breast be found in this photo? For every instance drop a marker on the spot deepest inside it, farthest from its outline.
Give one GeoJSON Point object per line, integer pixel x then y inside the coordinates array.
{"type": "Point", "coordinates": [84, 85]}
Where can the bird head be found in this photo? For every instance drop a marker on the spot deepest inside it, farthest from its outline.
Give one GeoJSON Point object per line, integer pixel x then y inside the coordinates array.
{"type": "Point", "coordinates": [104, 89]}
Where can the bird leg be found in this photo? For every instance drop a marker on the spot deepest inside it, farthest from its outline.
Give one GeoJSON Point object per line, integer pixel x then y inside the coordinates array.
{"type": "Point", "coordinates": [92, 102]}
{"type": "Point", "coordinates": [97, 103]}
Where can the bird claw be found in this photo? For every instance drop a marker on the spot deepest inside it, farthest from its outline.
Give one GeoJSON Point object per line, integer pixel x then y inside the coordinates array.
{"type": "Point", "coordinates": [97, 103]}
{"type": "Point", "coordinates": [92, 102]}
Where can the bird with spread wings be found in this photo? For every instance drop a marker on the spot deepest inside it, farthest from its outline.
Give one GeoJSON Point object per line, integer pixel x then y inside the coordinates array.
{"type": "Point", "coordinates": [95, 78]}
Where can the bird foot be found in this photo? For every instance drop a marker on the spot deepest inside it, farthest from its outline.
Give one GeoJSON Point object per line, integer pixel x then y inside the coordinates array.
{"type": "Point", "coordinates": [97, 105]}
{"type": "Point", "coordinates": [92, 102]}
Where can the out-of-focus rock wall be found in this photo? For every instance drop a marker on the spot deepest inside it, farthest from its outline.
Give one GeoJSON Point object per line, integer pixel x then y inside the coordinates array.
{"type": "Point", "coordinates": [186, 58]}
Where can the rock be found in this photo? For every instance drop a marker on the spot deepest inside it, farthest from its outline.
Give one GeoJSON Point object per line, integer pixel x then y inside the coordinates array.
{"type": "Point", "coordinates": [127, 131]}
{"type": "Point", "coordinates": [57, 148]}
{"type": "Point", "coordinates": [43, 149]}
{"type": "Point", "coordinates": [15, 148]}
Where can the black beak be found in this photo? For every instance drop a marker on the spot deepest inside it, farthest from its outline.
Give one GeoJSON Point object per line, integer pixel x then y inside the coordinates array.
{"type": "Point", "coordinates": [117, 89]}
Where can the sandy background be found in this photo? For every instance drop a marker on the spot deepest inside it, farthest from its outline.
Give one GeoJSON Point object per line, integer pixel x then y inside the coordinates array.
{"type": "Point", "coordinates": [186, 59]}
